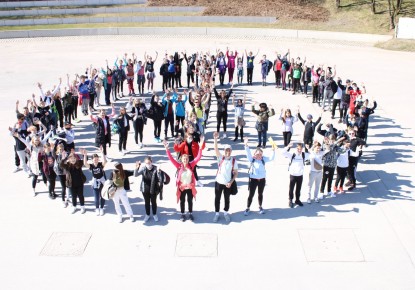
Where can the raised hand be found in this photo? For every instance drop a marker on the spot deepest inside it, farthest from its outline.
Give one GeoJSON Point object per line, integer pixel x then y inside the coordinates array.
{"type": "Point", "coordinates": [137, 164]}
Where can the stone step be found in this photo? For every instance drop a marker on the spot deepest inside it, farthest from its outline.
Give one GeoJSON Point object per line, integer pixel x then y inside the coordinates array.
{"type": "Point", "coordinates": [63, 3]}
{"type": "Point", "coordinates": [132, 19]}
{"type": "Point", "coordinates": [92, 11]}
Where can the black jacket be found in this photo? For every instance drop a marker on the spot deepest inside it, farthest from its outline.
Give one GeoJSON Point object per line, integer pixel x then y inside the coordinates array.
{"type": "Point", "coordinates": [100, 137]}
{"type": "Point", "coordinates": [309, 128]}
{"type": "Point", "coordinates": [121, 120]}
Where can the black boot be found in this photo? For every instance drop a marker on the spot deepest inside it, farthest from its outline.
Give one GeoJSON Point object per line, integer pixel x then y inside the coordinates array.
{"type": "Point", "coordinates": [242, 134]}
{"type": "Point", "coordinates": [236, 134]}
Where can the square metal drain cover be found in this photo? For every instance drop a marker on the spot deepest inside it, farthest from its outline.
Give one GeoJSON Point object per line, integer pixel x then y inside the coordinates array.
{"type": "Point", "coordinates": [330, 245]}
{"type": "Point", "coordinates": [66, 244]}
{"type": "Point", "coordinates": [197, 245]}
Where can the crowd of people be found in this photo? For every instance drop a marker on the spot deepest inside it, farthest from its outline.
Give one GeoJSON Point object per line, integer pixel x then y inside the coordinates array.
{"type": "Point", "coordinates": [45, 137]}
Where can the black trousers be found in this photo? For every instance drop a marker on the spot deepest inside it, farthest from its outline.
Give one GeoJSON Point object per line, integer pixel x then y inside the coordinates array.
{"type": "Point", "coordinates": [336, 103]}
{"type": "Point", "coordinates": [169, 122]}
{"type": "Point", "coordinates": [253, 184]}
{"type": "Point", "coordinates": [351, 171]}
{"type": "Point", "coordinates": [328, 173]}
{"type": "Point", "coordinates": [150, 199]}
{"type": "Point", "coordinates": [219, 188]}
{"type": "Point", "coordinates": [178, 79]}
{"type": "Point", "coordinates": [122, 141]}
{"type": "Point", "coordinates": [190, 77]}
{"type": "Point", "coordinates": [315, 93]}
{"type": "Point", "coordinates": [296, 85]}
{"type": "Point", "coordinates": [62, 180]}
{"type": "Point", "coordinates": [221, 78]}
{"type": "Point", "coordinates": [249, 72]}
{"type": "Point", "coordinates": [77, 192]}
{"type": "Point", "coordinates": [165, 82]}
{"type": "Point", "coordinates": [157, 128]}
{"type": "Point", "coordinates": [138, 125]}
{"type": "Point", "coordinates": [341, 176]}
{"type": "Point", "coordinates": [16, 157]}
{"type": "Point", "coordinates": [237, 133]}
{"type": "Point", "coordinates": [171, 80]}
{"type": "Point", "coordinates": [52, 182]}
{"type": "Point", "coordinates": [295, 181]}
{"type": "Point", "coordinates": [221, 117]}
{"type": "Point", "coordinates": [108, 94]}
{"type": "Point", "coordinates": [186, 193]}
{"type": "Point", "coordinates": [287, 137]}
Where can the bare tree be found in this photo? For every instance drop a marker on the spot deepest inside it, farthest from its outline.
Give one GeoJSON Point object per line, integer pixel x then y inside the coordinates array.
{"type": "Point", "coordinates": [373, 6]}
{"type": "Point", "coordinates": [394, 9]}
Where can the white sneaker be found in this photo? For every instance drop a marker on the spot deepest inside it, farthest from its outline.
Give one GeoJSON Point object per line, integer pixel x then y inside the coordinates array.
{"type": "Point", "coordinates": [146, 218]}
{"type": "Point", "coordinates": [227, 217]}
{"type": "Point", "coordinates": [199, 183]}
{"type": "Point", "coordinates": [121, 153]}
{"type": "Point", "coordinates": [98, 211]}
{"type": "Point", "coordinates": [125, 152]}
{"type": "Point", "coordinates": [34, 192]}
{"type": "Point", "coordinates": [224, 135]}
{"type": "Point", "coordinates": [17, 169]}
{"type": "Point", "coordinates": [101, 212]}
{"type": "Point", "coordinates": [141, 145]}
{"type": "Point", "coordinates": [83, 210]}
{"type": "Point", "coordinates": [332, 194]}
{"type": "Point", "coordinates": [316, 200]}
{"type": "Point", "coordinates": [216, 217]}
{"type": "Point", "coordinates": [120, 219]}
{"type": "Point", "coordinates": [156, 218]}
{"type": "Point", "coordinates": [73, 210]}
{"type": "Point", "coordinates": [131, 218]}
{"type": "Point", "coordinates": [308, 200]}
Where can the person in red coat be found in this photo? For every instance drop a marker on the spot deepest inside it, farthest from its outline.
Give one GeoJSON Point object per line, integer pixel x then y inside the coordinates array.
{"type": "Point", "coordinates": [190, 147]}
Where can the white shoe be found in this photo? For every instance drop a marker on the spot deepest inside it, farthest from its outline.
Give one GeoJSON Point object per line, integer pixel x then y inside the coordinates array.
{"type": "Point", "coordinates": [224, 135]}
{"type": "Point", "coordinates": [216, 217]}
{"type": "Point", "coordinates": [308, 200]}
{"type": "Point", "coordinates": [332, 194]}
{"type": "Point", "coordinates": [83, 210]}
{"type": "Point", "coordinates": [17, 169]}
{"type": "Point", "coordinates": [125, 152]}
{"type": "Point", "coordinates": [146, 218]}
{"type": "Point", "coordinates": [120, 219]}
{"type": "Point", "coordinates": [199, 183]}
{"type": "Point", "coordinates": [121, 153]}
{"type": "Point", "coordinates": [141, 146]}
{"type": "Point", "coordinates": [131, 218]}
{"type": "Point", "coordinates": [98, 211]}
{"type": "Point", "coordinates": [34, 192]}
{"type": "Point", "coordinates": [65, 204]}
{"type": "Point", "coordinates": [73, 210]}
{"type": "Point", "coordinates": [101, 212]}
{"type": "Point", "coordinates": [316, 200]}
{"type": "Point", "coordinates": [156, 218]}
{"type": "Point", "coordinates": [227, 217]}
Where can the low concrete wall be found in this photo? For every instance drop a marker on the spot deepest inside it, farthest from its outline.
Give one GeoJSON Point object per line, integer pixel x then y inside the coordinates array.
{"type": "Point", "coordinates": [406, 28]}
{"type": "Point", "coordinates": [103, 10]}
{"type": "Point", "coordinates": [56, 3]}
{"type": "Point", "coordinates": [202, 31]}
{"type": "Point", "coordinates": [86, 20]}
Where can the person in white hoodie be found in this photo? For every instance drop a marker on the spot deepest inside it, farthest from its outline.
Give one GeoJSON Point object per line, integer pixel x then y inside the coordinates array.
{"type": "Point", "coordinates": [296, 169]}
{"type": "Point", "coordinates": [316, 173]}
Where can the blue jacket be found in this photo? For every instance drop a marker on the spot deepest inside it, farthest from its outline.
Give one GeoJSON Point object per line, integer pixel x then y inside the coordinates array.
{"type": "Point", "coordinates": [180, 105]}
{"type": "Point", "coordinates": [165, 103]}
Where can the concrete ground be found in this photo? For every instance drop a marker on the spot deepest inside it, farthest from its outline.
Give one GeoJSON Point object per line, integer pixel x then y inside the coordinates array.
{"type": "Point", "coordinates": [361, 240]}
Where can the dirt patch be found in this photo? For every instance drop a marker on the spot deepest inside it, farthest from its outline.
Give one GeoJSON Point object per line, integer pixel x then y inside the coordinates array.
{"type": "Point", "coordinates": [281, 9]}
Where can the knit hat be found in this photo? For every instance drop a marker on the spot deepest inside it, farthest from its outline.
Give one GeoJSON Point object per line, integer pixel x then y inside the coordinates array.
{"type": "Point", "coordinates": [309, 116]}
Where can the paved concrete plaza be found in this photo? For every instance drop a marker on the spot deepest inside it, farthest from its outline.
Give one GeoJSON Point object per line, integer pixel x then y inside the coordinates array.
{"type": "Point", "coordinates": [361, 240]}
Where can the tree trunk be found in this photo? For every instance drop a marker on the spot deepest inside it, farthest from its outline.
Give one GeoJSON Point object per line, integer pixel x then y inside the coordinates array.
{"type": "Point", "coordinates": [337, 4]}
{"type": "Point", "coordinates": [373, 7]}
{"type": "Point", "coordinates": [391, 15]}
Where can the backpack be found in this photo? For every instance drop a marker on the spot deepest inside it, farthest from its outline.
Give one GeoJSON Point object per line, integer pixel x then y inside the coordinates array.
{"type": "Point", "coordinates": [292, 158]}
{"type": "Point", "coordinates": [108, 190]}
{"type": "Point", "coordinates": [269, 66]}
{"type": "Point", "coordinates": [115, 128]}
{"type": "Point", "coordinates": [252, 163]}
{"type": "Point", "coordinates": [333, 86]}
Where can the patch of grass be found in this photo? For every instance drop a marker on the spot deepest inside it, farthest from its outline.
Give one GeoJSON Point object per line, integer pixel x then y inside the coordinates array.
{"type": "Point", "coordinates": [398, 45]}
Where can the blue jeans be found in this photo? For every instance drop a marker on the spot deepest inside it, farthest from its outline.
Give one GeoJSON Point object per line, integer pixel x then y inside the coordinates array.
{"type": "Point", "coordinates": [99, 201]}
{"type": "Point", "coordinates": [262, 136]}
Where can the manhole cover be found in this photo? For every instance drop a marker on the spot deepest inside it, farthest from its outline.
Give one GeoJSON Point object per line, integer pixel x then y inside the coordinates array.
{"type": "Point", "coordinates": [197, 245]}
{"type": "Point", "coordinates": [330, 245]}
{"type": "Point", "coordinates": [66, 244]}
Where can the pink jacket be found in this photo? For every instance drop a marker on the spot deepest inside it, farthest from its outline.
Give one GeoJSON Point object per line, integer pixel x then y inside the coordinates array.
{"type": "Point", "coordinates": [180, 168]}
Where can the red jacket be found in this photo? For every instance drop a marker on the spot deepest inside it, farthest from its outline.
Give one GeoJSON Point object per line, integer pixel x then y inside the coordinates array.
{"type": "Point", "coordinates": [182, 148]}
